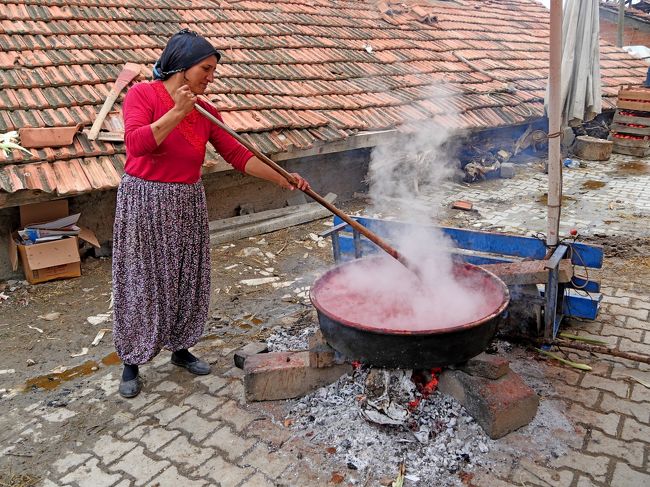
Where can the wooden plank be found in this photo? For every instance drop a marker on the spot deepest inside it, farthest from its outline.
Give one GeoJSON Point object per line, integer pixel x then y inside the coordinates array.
{"type": "Point", "coordinates": [624, 129]}
{"type": "Point", "coordinates": [528, 272]}
{"type": "Point", "coordinates": [626, 119]}
{"type": "Point", "coordinates": [631, 151]}
{"type": "Point", "coordinates": [633, 94]}
{"type": "Point", "coordinates": [636, 143]}
{"type": "Point", "coordinates": [634, 105]}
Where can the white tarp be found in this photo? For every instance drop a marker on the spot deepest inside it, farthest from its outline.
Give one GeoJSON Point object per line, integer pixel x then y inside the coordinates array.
{"type": "Point", "coordinates": [580, 82]}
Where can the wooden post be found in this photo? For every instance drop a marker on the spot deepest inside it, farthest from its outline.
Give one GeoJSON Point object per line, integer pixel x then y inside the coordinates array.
{"type": "Point", "coordinates": [554, 165]}
{"type": "Point", "coordinates": [621, 22]}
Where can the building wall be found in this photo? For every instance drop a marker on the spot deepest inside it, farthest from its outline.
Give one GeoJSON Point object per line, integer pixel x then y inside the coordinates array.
{"type": "Point", "coordinates": [228, 194]}
{"type": "Point", "coordinates": [635, 33]}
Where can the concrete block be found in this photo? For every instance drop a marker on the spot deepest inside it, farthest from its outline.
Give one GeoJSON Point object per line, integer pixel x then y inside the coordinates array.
{"type": "Point", "coordinates": [499, 406]}
{"type": "Point", "coordinates": [251, 349]}
{"type": "Point", "coordinates": [507, 170]}
{"type": "Point", "coordinates": [285, 375]}
{"type": "Point", "coordinates": [592, 149]}
{"type": "Point", "coordinates": [486, 366]}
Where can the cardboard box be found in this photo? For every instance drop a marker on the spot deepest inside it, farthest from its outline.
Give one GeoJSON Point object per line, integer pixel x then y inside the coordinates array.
{"type": "Point", "coordinates": [46, 261]}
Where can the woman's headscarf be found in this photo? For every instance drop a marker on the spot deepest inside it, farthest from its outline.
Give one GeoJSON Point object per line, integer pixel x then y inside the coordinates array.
{"type": "Point", "coordinates": [183, 50]}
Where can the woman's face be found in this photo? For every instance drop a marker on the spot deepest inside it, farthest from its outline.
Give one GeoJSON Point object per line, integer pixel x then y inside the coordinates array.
{"type": "Point", "coordinates": [200, 75]}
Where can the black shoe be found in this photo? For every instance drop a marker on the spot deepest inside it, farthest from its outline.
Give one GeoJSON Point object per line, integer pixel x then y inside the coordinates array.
{"type": "Point", "coordinates": [130, 388]}
{"type": "Point", "coordinates": [191, 363]}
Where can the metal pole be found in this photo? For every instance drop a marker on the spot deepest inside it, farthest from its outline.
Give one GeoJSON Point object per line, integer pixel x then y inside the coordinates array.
{"type": "Point", "coordinates": [554, 164]}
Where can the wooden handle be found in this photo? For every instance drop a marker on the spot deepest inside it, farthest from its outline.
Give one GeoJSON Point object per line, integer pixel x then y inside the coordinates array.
{"type": "Point", "coordinates": [373, 237]}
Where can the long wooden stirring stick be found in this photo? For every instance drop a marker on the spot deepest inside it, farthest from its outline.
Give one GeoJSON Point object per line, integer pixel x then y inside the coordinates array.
{"type": "Point", "coordinates": [373, 237]}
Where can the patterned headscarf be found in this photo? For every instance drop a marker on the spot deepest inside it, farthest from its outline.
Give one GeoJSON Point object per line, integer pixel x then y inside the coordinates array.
{"type": "Point", "coordinates": [184, 50]}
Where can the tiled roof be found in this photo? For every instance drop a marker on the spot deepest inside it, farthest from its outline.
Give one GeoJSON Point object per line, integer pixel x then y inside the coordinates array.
{"type": "Point", "coordinates": [294, 73]}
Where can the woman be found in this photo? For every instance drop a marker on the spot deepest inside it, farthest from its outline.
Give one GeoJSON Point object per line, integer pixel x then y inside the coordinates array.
{"type": "Point", "coordinates": [161, 258]}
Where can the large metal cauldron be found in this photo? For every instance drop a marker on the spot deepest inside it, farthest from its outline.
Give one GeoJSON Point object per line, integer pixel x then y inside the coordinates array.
{"type": "Point", "coordinates": [419, 349]}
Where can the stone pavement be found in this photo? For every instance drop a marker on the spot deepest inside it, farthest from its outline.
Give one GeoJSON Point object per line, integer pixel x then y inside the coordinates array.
{"type": "Point", "coordinates": [197, 431]}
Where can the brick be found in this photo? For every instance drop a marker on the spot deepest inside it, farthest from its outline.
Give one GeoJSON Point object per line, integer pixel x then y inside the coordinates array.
{"type": "Point", "coordinates": [171, 477]}
{"type": "Point", "coordinates": [620, 300]}
{"type": "Point", "coordinates": [530, 473]}
{"type": "Point", "coordinates": [499, 406]}
{"type": "Point", "coordinates": [630, 451]}
{"type": "Point", "coordinates": [605, 422]}
{"type": "Point", "coordinates": [109, 449]}
{"type": "Point", "coordinates": [285, 375]}
{"type": "Point", "coordinates": [90, 475]}
{"type": "Point", "coordinates": [632, 334]}
{"type": "Point", "coordinates": [198, 427]}
{"type": "Point", "coordinates": [169, 413]}
{"type": "Point", "coordinates": [586, 397]}
{"type": "Point", "coordinates": [487, 366]}
{"type": "Point", "coordinates": [153, 437]}
{"type": "Point", "coordinates": [617, 387]}
{"type": "Point", "coordinates": [633, 430]}
{"type": "Point", "coordinates": [205, 403]}
{"type": "Point", "coordinates": [638, 410]}
{"type": "Point", "coordinates": [626, 476]}
{"type": "Point", "coordinates": [594, 465]}
{"type": "Point", "coordinates": [181, 451]}
{"type": "Point", "coordinates": [628, 345]}
{"type": "Point", "coordinates": [236, 415]}
{"type": "Point", "coordinates": [233, 445]}
{"type": "Point", "coordinates": [640, 314]}
{"type": "Point", "coordinates": [507, 170]}
{"type": "Point", "coordinates": [272, 464]}
{"type": "Point", "coordinates": [252, 348]}
{"type": "Point", "coordinates": [213, 382]}
{"type": "Point", "coordinates": [139, 466]}
{"type": "Point", "coordinates": [222, 472]}
{"type": "Point", "coordinates": [69, 460]}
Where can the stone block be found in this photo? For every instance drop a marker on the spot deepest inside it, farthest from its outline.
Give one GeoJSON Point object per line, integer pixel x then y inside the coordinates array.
{"type": "Point", "coordinates": [487, 366]}
{"type": "Point", "coordinates": [499, 406]}
{"type": "Point", "coordinates": [251, 349]}
{"type": "Point", "coordinates": [285, 375]}
{"type": "Point", "coordinates": [322, 356]}
{"type": "Point", "coordinates": [507, 170]}
{"type": "Point", "coordinates": [592, 149]}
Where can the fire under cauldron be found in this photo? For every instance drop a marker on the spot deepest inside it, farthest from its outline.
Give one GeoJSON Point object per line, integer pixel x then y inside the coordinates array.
{"type": "Point", "coordinates": [412, 349]}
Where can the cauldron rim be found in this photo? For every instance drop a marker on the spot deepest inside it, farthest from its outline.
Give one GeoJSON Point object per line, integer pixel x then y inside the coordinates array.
{"type": "Point", "coordinates": [438, 331]}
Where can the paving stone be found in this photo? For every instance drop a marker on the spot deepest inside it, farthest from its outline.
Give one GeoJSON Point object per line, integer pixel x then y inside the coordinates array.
{"type": "Point", "coordinates": [641, 303]}
{"type": "Point", "coordinates": [628, 345]}
{"type": "Point", "coordinates": [233, 413]}
{"type": "Point", "coordinates": [234, 446]}
{"type": "Point", "coordinates": [617, 387]}
{"type": "Point", "coordinates": [69, 460]}
{"type": "Point", "coordinates": [272, 464]}
{"type": "Point", "coordinates": [640, 314]}
{"type": "Point", "coordinates": [234, 373]}
{"type": "Point", "coordinates": [586, 397]}
{"type": "Point", "coordinates": [530, 473]}
{"type": "Point", "coordinates": [633, 430]}
{"type": "Point", "coordinates": [109, 449]}
{"type": "Point", "coordinates": [258, 480]}
{"type": "Point", "coordinates": [631, 294]}
{"type": "Point", "coordinates": [630, 451]}
{"type": "Point", "coordinates": [625, 476]}
{"type": "Point", "coordinates": [205, 403]}
{"type": "Point", "coordinates": [620, 300]}
{"type": "Point", "coordinates": [168, 386]}
{"type": "Point", "coordinates": [562, 373]}
{"type": "Point", "coordinates": [132, 424]}
{"type": "Point", "coordinates": [223, 472]}
{"type": "Point", "coordinates": [169, 413]}
{"type": "Point", "coordinates": [640, 393]}
{"type": "Point", "coordinates": [632, 334]}
{"type": "Point", "coordinates": [59, 415]}
{"type": "Point", "coordinates": [212, 382]}
{"type": "Point", "coordinates": [139, 466]}
{"type": "Point", "coordinates": [596, 465]}
{"type": "Point", "coordinates": [171, 477]}
{"type": "Point", "coordinates": [198, 427]}
{"type": "Point", "coordinates": [154, 407]}
{"type": "Point", "coordinates": [180, 450]}
{"type": "Point", "coordinates": [90, 475]}
{"type": "Point", "coordinates": [606, 422]}
{"type": "Point", "coordinates": [640, 411]}
{"type": "Point", "coordinates": [586, 482]}
{"type": "Point", "coordinates": [49, 483]}
{"type": "Point", "coordinates": [143, 399]}
{"type": "Point", "coordinates": [636, 323]}
{"type": "Point", "coordinates": [154, 437]}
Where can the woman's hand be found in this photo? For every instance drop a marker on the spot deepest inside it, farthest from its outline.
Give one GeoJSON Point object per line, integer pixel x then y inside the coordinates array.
{"type": "Point", "coordinates": [184, 100]}
{"type": "Point", "coordinates": [301, 183]}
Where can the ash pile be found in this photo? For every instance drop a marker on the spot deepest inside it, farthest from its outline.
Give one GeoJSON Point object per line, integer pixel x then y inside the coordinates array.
{"type": "Point", "coordinates": [377, 419]}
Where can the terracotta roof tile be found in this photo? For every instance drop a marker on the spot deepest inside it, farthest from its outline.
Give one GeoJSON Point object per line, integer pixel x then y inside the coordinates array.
{"type": "Point", "coordinates": [294, 73]}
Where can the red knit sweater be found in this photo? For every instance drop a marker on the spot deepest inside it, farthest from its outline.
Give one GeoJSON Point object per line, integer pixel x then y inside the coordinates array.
{"type": "Point", "coordinates": [178, 159]}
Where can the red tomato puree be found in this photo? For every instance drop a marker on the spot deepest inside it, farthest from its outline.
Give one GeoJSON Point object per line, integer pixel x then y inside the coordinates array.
{"type": "Point", "coordinates": [383, 294]}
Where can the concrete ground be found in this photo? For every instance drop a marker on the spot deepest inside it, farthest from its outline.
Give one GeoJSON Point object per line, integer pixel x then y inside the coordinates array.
{"type": "Point", "coordinates": [198, 431]}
